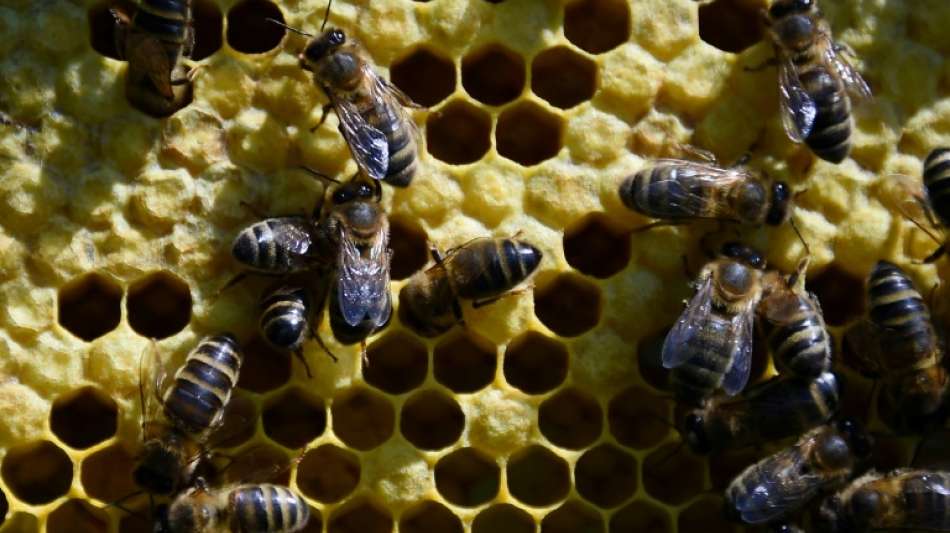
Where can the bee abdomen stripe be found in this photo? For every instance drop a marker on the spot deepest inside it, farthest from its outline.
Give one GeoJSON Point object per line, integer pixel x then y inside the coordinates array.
{"type": "Point", "coordinates": [192, 405]}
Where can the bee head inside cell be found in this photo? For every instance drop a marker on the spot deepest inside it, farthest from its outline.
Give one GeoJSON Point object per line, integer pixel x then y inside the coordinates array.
{"type": "Point", "coordinates": [779, 207]}
{"type": "Point", "coordinates": [744, 254]}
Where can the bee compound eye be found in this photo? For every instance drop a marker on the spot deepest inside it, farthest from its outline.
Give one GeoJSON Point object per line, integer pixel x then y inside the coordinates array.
{"type": "Point", "coordinates": [337, 37]}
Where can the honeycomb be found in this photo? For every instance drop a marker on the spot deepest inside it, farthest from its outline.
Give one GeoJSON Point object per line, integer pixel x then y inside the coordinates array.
{"type": "Point", "coordinates": [549, 411]}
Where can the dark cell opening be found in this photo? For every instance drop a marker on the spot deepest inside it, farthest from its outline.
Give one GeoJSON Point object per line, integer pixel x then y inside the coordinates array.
{"type": "Point", "coordinates": [503, 518]}
{"type": "Point", "coordinates": [639, 418]}
{"type": "Point", "coordinates": [328, 473]}
{"type": "Point", "coordinates": [571, 419]}
{"type": "Point", "coordinates": [459, 133]}
{"type": "Point", "coordinates": [535, 363]}
{"type": "Point", "coordinates": [563, 77]}
{"type": "Point", "coordinates": [730, 25]}
{"type": "Point", "coordinates": [315, 524]}
{"type": "Point", "coordinates": [361, 517]}
{"type": "Point", "coordinates": [726, 465]}
{"type": "Point", "coordinates": [606, 476]}
{"type": "Point", "coordinates": [239, 424]}
{"type": "Point", "coordinates": [262, 463]}
{"type": "Point", "coordinates": [159, 305]}
{"type": "Point", "coordinates": [597, 25]}
{"type": "Point", "coordinates": [90, 306]}
{"type": "Point", "coordinates": [465, 362]}
{"type": "Point", "coordinates": [133, 523]}
{"type": "Point", "coordinates": [573, 517]}
{"type": "Point", "coordinates": [569, 305]}
{"type": "Point", "coordinates": [673, 461]}
{"type": "Point", "coordinates": [4, 507]}
{"type": "Point", "coordinates": [396, 363]}
{"type": "Point", "coordinates": [264, 368]}
{"type": "Point", "coordinates": [493, 75]}
{"type": "Point", "coordinates": [107, 474]}
{"type": "Point", "coordinates": [37, 473]}
{"type": "Point", "coordinates": [538, 477]}
{"type": "Point", "coordinates": [209, 28]}
{"type": "Point", "coordinates": [467, 477]}
{"type": "Point", "coordinates": [102, 26]}
{"type": "Point", "coordinates": [363, 419]}
{"type": "Point", "coordinates": [641, 515]}
{"type": "Point", "coordinates": [704, 516]}
{"type": "Point", "coordinates": [426, 76]}
{"type": "Point", "coordinates": [430, 517]}
{"type": "Point", "coordinates": [649, 360]}
{"type": "Point", "coordinates": [248, 29]}
{"type": "Point", "coordinates": [83, 417]}
{"type": "Point", "coordinates": [841, 295]}
{"type": "Point", "coordinates": [431, 420]}
{"type": "Point", "coordinates": [527, 134]}
{"type": "Point", "coordinates": [596, 247]}
{"type": "Point", "coordinates": [295, 418]}
{"type": "Point", "coordinates": [76, 516]}
{"type": "Point", "coordinates": [410, 246]}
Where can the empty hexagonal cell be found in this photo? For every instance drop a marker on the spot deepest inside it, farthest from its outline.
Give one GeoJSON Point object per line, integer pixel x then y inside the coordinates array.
{"type": "Point", "coordinates": [83, 417]}
{"type": "Point", "coordinates": [503, 518]}
{"type": "Point", "coordinates": [597, 25]}
{"type": "Point", "coordinates": [528, 134]}
{"type": "Point", "coordinates": [363, 419]}
{"type": "Point", "coordinates": [639, 418]}
{"type": "Point", "coordinates": [571, 419]}
{"type": "Point", "coordinates": [573, 517]}
{"type": "Point", "coordinates": [606, 475]}
{"type": "Point", "coordinates": [89, 306]}
{"type": "Point", "coordinates": [538, 477]}
{"type": "Point", "coordinates": [37, 472]}
{"type": "Point", "coordinates": [641, 515]}
{"type": "Point", "coordinates": [396, 363]}
{"type": "Point", "coordinates": [428, 517]}
{"type": "Point", "coordinates": [137, 522]}
{"type": "Point", "coordinates": [465, 362]}
{"type": "Point", "coordinates": [493, 74]}
{"type": "Point", "coordinates": [841, 295]}
{"type": "Point", "coordinates": [563, 77]}
{"type": "Point", "coordinates": [649, 361]}
{"type": "Point", "coordinates": [535, 363]}
{"type": "Point", "coordinates": [425, 75]}
{"type": "Point", "coordinates": [410, 247]}
{"type": "Point", "coordinates": [467, 477]}
{"type": "Point", "coordinates": [672, 461]}
{"type": "Point", "coordinates": [294, 418]}
{"type": "Point", "coordinates": [596, 247]}
{"type": "Point", "coordinates": [76, 516]}
{"type": "Point", "coordinates": [158, 305]}
{"type": "Point", "coordinates": [102, 26]}
{"type": "Point", "coordinates": [107, 474]}
{"type": "Point", "coordinates": [208, 22]}
{"type": "Point", "coordinates": [459, 133]}
{"type": "Point", "coordinates": [568, 305]}
{"type": "Point", "coordinates": [248, 28]}
{"type": "Point", "coordinates": [264, 368]}
{"type": "Point", "coordinates": [431, 420]}
{"type": "Point", "coordinates": [328, 473]}
{"type": "Point", "coordinates": [239, 424]}
{"type": "Point", "coordinates": [704, 516]}
{"type": "Point", "coordinates": [262, 463]}
{"type": "Point", "coordinates": [360, 517]}
{"type": "Point", "coordinates": [729, 25]}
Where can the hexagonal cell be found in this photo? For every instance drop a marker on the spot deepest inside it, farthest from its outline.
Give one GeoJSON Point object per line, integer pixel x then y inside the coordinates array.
{"type": "Point", "coordinates": [597, 25]}
{"type": "Point", "coordinates": [573, 517]}
{"type": "Point", "coordinates": [563, 77]}
{"type": "Point", "coordinates": [704, 516]}
{"type": "Point", "coordinates": [262, 463]}
{"type": "Point", "coordinates": [363, 419]}
{"type": "Point", "coordinates": [102, 34]}
{"type": "Point", "coordinates": [606, 475]}
{"type": "Point", "coordinates": [328, 473]}
{"type": "Point", "coordinates": [568, 305]}
{"type": "Point", "coordinates": [410, 246]}
{"type": "Point", "coordinates": [641, 515]}
{"type": "Point", "coordinates": [841, 295]}
{"type": "Point", "coordinates": [638, 418]}
{"type": "Point", "coordinates": [649, 361]}
{"type": "Point", "coordinates": [265, 368]}
{"type": "Point", "coordinates": [239, 424]}
{"type": "Point", "coordinates": [89, 306]}
{"type": "Point", "coordinates": [596, 247]}
{"type": "Point", "coordinates": [538, 477]}
{"type": "Point", "coordinates": [208, 22]}
{"type": "Point", "coordinates": [571, 419]}
{"type": "Point", "coordinates": [726, 465]}
{"type": "Point", "coordinates": [729, 25]}
{"type": "Point", "coordinates": [360, 517]}
{"type": "Point", "coordinates": [528, 134]}
{"type": "Point", "coordinates": [431, 420]}
{"type": "Point", "coordinates": [83, 417]}
{"type": "Point", "coordinates": [467, 477]}
{"type": "Point", "coordinates": [673, 461]}
{"type": "Point", "coordinates": [493, 74]}
{"type": "Point", "coordinates": [429, 516]}
{"type": "Point", "coordinates": [107, 474]}
{"type": "Point", "coordinates": [248, 29]}
{"type": "Point", "coordinates": [76, 516]}
{"type": "Point", "coordinates": [158, 305]}
{"type": "Point", "coordinates": [37, 472]}
{"type": "Point", "coordinates": [503, 518]}
{"type": "Point", "coordinates": [465, 362]}
{"type": "Point", "coordinates": [294, 418]}
{"type": "Point", "coordinates": [315, 524]}
{"type": "Point", "coordinates": [396, 363]}
{"type": "Point", "coordinates": [137, 522]}
{"type": "Point", "coordinates": [535, 363]}
{"type": "Point", "coordinates": [459, 133]}
{"type": "Point", "coordinates": [425, 75]}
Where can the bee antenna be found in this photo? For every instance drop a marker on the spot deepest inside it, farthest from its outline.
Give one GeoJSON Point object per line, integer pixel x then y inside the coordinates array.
{"type": "Point", "coordinates": [118, 505]}
{"type": "Point", "coordinates": [326, 16]}
{"type": "Point", "coordinates": [791, 221]}
{"type": "Point", "coordinates": [295, 30]}
{"type": "Point", "coordinates": [319, 175]}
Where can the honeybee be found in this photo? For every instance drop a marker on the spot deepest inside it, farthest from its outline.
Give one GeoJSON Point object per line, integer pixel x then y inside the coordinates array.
{"type": "Point", "coordinates": [816, 83]}
{"type": "Point", "coordinates": [710, 346]}
{"type": "Point", "coordinates": [287, 320]}
{"type": "Point", "coordinates": [821, 460]}
{"type": "Point", "coordinates": [192, 407]}
{"type": "Point", "coordinates": [778, 408]}
{"type": "Point", "coordinates": [154, 40]}
{"type": "Point", "coordinates": [247, 508]}
{"type": "Point", "coordinates": [901, 499]}
{"type": "Point", "coordinates": [482, 270]}
{"type": "Point", "coordinates": [935, 203]}
{"type": "Point", "coordinates": [276, 246]}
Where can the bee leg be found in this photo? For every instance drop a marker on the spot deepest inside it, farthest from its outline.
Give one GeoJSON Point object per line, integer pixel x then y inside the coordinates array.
{"type": "Point", "coordinates": [298, 353]}
{"type": "Point", "coordinates": [363, 354]}
{"type": "Point", "coordinates": [323, 117]}
{"type": "Point", "coordinates": [231, 282]}
{"type": "Point", "coordinates": [436, 255]}
{"type": "Point", "coordinates": [189, 76]}
{"type": "Point", "coordinates": [316, 337]}
{"type": "Point", "coordinates": [936, 254]}
{"type": "Point", "coordinates": [488, 301]}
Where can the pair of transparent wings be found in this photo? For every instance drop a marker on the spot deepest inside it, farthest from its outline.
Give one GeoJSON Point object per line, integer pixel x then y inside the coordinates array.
{"type": "Point", "coordinates": [363, 277]}
{"type": "Point", "coordinates": [684, 182]}
{"type": "Point", "coordinates": [783, 484]}
{"type": "Point", "coordinates": [694, 325]}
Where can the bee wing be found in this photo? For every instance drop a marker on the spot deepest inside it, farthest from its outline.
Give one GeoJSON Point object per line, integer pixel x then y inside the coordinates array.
{"type": "Point", "coordinates": [294, 235]}
{"type": "Point", "coordinates": [147, 54]}
{"type": "Point", "coordinates": [783, 483]}
{"type": "Point", "coordinates": [152, 376]}
{"type": "Point", "coordinates": [798, 109]}
{"type": "Point", "coordinates": [740, 335]}
{"type": "Point", "coordinates": [367, 143]}
{"type": "Point", "coordinates": [689, 324]}
{"type": "Point", "coordinates": [857, 87]}
{"type": "Point", "coordinates": [364, 281]}
{"type": "Point", "coordinates": [691, 200]}
{"type": "Point", "coordinates": [399, 102]}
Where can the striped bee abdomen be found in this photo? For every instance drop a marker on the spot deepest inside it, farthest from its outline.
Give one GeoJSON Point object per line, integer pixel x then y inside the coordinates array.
{"type": "Point", "coordinates": [496, 266]}
{"type": "Point", "coordinates": [937, 182]}
{"type": "Point", "coordinates": [267, 509]}
{"type": "Point", "coordinates": [830, 137]}
{"type": "Point", "coordinates": [797, 337]}
{"type": "Point", "coordinates": [274, 245]}
{"type": "Point", "coordinates": [284, 317]}
{"type": "Point", "coordinates": [196, 400]}
{"type": "Point", "coordinates": [165, 19]}
{"type": "Point", "coordinates": [898, 309]}
{"type": "Point", "coordinates": [662, 191]}
{"type": "Point", "coordinates": [402, 152]}
{"type": "Point", "coordinates": [703, 371]}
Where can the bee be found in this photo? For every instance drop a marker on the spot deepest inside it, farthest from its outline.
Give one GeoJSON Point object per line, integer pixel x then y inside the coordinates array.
{"type": "Point", "coordinates": [821, 460]}
{"type": "Point", "coordinates": [710, 346]}
{"type": "Point", "coordinates": [277, 246]}
{"type": "Point", "coordinates": [778, 408]}
{"type": "Point", "coordinates": [192, 407]}
{"type": "Point", "coordinates": [263, 508]}
{"type": "Point", "coordinates": [901, 499]}
{"type": "Point", "coordinates": [482, 270]}
{"type": "Point", "coordinates": [154, 40]}
{"type": "Point", "coordinates": [287, 321]}
{"type": "Point", "coordinates": [816, 83]}
{"type": "Point", "coordinates": [935, 204]}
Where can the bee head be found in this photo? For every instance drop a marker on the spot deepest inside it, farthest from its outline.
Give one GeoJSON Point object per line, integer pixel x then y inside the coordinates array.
{"type": "Point", "coordinates": [355, 190]}
{"type": "Point", "coordinates": [792, 23]}
{"type": "Point", "coordinates": [782, 8]}
{"type": "Point", "coordinates": [159, 470]}
{"type": "Point", "coordinates": [694, 430]}
{"type": "Point", "coordinates": [779, 206]}
{"type": "Point", "coordinates": [859, 441]}
{"type": "Point", "coordinates": [323, 45]}
{"type": "Point", "coordinates": [189, 515]}
{"type": "Point", "coordinates": [743, 254]}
